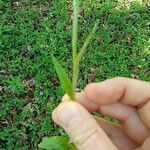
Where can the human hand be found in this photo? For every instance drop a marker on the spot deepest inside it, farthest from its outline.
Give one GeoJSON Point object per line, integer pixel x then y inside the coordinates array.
{"type": "Point", "coordinates": [125, 99]}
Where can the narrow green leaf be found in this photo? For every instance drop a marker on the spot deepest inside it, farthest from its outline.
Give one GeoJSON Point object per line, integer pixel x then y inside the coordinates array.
{"type": "Point", "coordinates": [63, 77]}
{"type": "Point", "coordinates": [86, 43]}
{"type": "Point", "coordinates": [55, 142]}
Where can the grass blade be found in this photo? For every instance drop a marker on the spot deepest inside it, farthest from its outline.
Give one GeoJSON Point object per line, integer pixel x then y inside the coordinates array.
{"type": "Point", "coordinates": [63, 77]}
{"type": "Point", "coordinates": [86, 43]}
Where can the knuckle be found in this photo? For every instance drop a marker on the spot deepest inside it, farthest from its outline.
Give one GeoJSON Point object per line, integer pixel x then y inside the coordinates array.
{"type": "Point", "coordinates": [146, 144]}
{"type": "Point", "coordinates": [83, 139]}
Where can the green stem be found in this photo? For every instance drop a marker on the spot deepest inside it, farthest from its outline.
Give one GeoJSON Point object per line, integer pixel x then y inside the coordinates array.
{"type": "Point", "coordinates": [75, 27]}
{"type": "Point", "coordinates": [74, 45]}
{"type": "Point", "coordinates": [75, 79]}
{"type": "Point", "coordinates": [77, 56]}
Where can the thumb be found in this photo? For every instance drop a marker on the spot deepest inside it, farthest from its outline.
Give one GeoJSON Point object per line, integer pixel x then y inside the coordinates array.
{"type": "Point", "coordinates": [81, 127]}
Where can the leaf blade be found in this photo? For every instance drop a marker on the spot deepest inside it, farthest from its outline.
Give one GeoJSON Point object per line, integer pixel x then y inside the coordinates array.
{"type": "Point", "coordinates": [55, 142]}
{"type": "Point", "coordinates": [86, 43]}
{"type": "Point", "coordinates": [63, 77]}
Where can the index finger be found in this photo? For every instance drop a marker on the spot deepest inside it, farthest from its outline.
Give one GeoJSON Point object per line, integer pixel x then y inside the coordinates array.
{"type": "Point", "coordinates": [128, 91]}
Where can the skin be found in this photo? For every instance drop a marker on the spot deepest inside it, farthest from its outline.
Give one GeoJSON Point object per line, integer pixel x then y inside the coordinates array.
{"type": "Point", "coordinates": [125, 99]}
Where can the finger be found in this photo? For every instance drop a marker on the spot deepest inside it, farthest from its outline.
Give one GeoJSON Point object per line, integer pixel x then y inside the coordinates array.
{"type": "Point", "coordinates": [117, 135]}
{"type": "Point", "coordinates": [145, 114]}
{"type": "Point", "coordinates": [145, 145]}
{"type": "Point", "coordinates": [86, 102]}
{"type": "Point", "coordinates": [130, 120]}
{"type": "Point", "coordinates": [128, 91]}
{"type": "Point", "coordinates": [81, 127]}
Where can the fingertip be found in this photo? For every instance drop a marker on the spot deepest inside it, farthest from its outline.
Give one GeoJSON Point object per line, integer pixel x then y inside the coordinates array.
{"type": "Point", "coordinates": [105, 92]}
{"type": "Point", "coordinates": [57, 111]}
{"type": "Point", "coordinates": [67, 114]}
{"type": "Point", "coordinates": [81, 126]}
{"type": "Point", "coordinates": [79, 96]}
{"type": "Point", "coordinates": [86, 102]}
{"type": "Point", "coordinates": [65, 98]}
{"type": "Point", "coordinates": [54, 116]}
{"type": "Point", "coordinates": [91, 90]}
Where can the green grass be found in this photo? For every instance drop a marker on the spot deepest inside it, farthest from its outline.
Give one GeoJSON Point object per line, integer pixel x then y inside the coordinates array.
{"type": "Point", "coordinates": [32, 31]}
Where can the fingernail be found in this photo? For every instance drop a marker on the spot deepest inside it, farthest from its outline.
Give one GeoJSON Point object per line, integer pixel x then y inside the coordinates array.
{"type": "Point", "coordinates": [69, 116]}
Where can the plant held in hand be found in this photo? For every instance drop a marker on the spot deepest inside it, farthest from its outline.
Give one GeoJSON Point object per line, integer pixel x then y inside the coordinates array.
{"type": "Point", "coordinates": [62, 142]}
{"type": "Point", "coordinates": [67, 85]}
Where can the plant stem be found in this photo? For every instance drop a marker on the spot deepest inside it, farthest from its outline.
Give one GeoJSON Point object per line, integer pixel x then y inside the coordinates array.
{"type": "Point", "coordinates": [74, 45]}
{"type": "Point", "coordinates": [75, 27]}
{"type": "Point", "coordinates": [75, 78]}
{"type": "Point", "coordinates": [77, 56]}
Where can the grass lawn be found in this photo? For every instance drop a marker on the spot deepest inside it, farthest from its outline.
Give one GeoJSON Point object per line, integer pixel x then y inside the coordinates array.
{"type": "Point", "coordinates": [30, 31]}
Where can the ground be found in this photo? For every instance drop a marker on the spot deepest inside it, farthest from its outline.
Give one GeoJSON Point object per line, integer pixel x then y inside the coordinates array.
{"type": "Point", "coordinates": [30, 31]}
